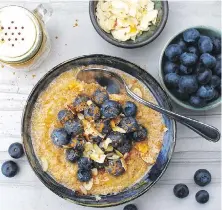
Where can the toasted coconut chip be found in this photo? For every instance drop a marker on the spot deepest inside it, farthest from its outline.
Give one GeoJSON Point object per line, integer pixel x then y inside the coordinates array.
{"type": "Point", "coordinates": [94, 171]}
{"type": "Point", "coordinates": [89, 102]}
{"type": "Point", "coordinates": [114, 157]}
{"type": "Point", "coordinates": [83, 190]}
{"type": "Point", "coordinates": [90, 130]}
{"type": "Point", "coordinates": [126, 155]}
{"type": "Point", "coordinates": [98, 198]}
{"type": "Point", "coordinates": [88, 185]}
{"type": "Point", "coordinates": [96, 181]}
{"type": "Point", "coordinates": [123, 163]}
{"type": "Point", "coordinates": [118, 129]}
{"type": "Point", "coordinates": [118, 153]}
{"type": "Point", "coordinates": [80, 116]}
{"type": "Point", "coordinates": [138, 92]}
{"type": "Point", "coordinates": [44, 164]}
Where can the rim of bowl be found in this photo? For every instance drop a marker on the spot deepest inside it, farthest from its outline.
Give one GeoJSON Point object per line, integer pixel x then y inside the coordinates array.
{"type": "Point", "coordinates": [172, 149]}
{"type": "Point", "coordinates": [117, 43]}
{"type": "Point", "coordinates": [212, 105]}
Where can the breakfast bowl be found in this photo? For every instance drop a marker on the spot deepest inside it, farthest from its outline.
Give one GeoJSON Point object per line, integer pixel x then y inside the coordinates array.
{"type": "Point", "coordinates": [203, 75]}
{"type": "Point", "coordinates": [145, 36]}
{"type": "Point", "coordinates": [41, 163]}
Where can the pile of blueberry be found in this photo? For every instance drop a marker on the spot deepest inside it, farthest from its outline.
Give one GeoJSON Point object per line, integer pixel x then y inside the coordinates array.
{"type": "Point", "coordinates": [10, 168]}
{"type": "Point", "coordinates": [202, 177]}
{"type": "Point", "coordinates": [192, 68]}
{"type": "Point", "coordinates": [99, 110]}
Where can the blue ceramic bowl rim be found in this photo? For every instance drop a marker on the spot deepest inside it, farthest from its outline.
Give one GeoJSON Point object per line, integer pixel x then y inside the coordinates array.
{"type": "Point", "coordinates": [38, 173]}
{"type": "Point", "coordinates": [117, 43]}
{"type": "Point", "coordinates": [181, 103]}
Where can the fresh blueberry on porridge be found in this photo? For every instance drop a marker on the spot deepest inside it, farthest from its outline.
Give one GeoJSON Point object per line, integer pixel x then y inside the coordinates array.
{"type": "Point", "coordinates": [93, 141]}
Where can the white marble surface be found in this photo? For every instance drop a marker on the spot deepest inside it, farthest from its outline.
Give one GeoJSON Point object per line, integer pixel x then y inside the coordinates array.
{"type": "Point", "coordinates": [26, 192]}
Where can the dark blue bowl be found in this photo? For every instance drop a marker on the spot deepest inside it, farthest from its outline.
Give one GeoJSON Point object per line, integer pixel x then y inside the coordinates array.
{"type": "Point", "coordinates": [157, 169]}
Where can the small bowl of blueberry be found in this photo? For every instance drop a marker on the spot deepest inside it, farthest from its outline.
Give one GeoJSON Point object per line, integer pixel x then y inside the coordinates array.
{"type": "Point", "coordinates": [190, 68]}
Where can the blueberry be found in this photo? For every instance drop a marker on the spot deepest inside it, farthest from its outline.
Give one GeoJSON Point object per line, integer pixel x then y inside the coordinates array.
{"type": "Point", "coordinates": [65, 115]}
{"type": "Point", "coordinates": [219, 89]}
{"type": "Point", "coordinates": [73, 127]}
{"type": "Point", "coordinates": [103, 126]}
{"type": "Point", "coordinates": [85, 163]}
{"type": "Point", "coordinates": [117, 138]}
{"type": "Point", "coordinates": [216, 45]}
{"type": "Point", "coordinates": [129, 109]}
{"type": "Point", "coordinates": [180, 94]}
{"type": "Point", "coordinates": [215, 81]}
{"type": "Point", "coordinates": [129, 124]}
{"type": "Point", "coordinates": [181, 191]}
{"type": "Point", "coordinates": [216, 96]}
{"type": "Point", "coordinates": [208, 60]}
{"type": "Point", "coordinates": [170, 67]}
{"type": "Point", "coordinates": [130, 207]}
{"type": "Point", "coordinates": [9, 168]}
{"type": "Point", "coordinates": [202, 177]}
{"type": "Point", "coordinates": [197, 101]}
{"type": "Point", "coordinates": [125, 148]}
{"type": "Point", "coordinates": [173, 52]}
{"type": "Point", "coordinates": [199, 68]}
{"type": "Point", "coordinates": [217, 68]}
{"type": "Point", "coordinates": [84, 175]}
{"type": "Point", "coordinates": [185, 70]}
{"type": "Point", "coordinates": [15, 150]}
{"type": "Point", "coordinates": [140, 134]}
{"type": "Point", "coordinates": [172, 80]}
{"type": "Point", "coordinates": [206, 92]}
{"type": "Point", "coordinates": [202, 196]}
{"type": "Point", "coordinates": [191, 35]}
{"type": "Point", "coordinates": [100, 96]}
{"type": "Point", "coordinates": [60, 137]}
{"type": "Point", "coordinates": [182, 44]}
{"type": "Point", "coordinates": [204, 77]}
{"type": "Point", "coordinates": [113, 89]}
{"type": "Point", "coordinates": [188, 59]}
{"type": "Point", "coordinates": [205, 44]}
{"type": "Point", "coordinates": [72, 155]}
{"type": "Point", "coordinates": [193, 50]}
{"type": "Point", "coordinates": [80, 102]}
{"type": "Point", "coordinates": [79, 146]}
{"type": "Point", "coordinates": [115, 167]}
{"type": "Point", "coordinates": [188, 84]}
{"type": "Point", "coordinates": [92, 112]}
{"type": "Point", "coordinates": [110, 109]}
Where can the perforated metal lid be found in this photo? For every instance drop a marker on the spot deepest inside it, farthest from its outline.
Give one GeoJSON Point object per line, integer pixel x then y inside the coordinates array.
{"type": "Point", "coordinates": [20, 34]}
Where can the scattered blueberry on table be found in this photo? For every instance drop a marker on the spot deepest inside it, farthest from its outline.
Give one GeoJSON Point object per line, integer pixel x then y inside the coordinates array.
{"type": "Point", "coordinates": [192, 68]}
{"type": "Point", "coordinates": [15, 150]}
{"type": "Point", "coordinates": [202, 177]}
{"type": "Point", "coordinates": [181, 190]}
{"type": "Point", "coordinates": [202, 196]}
{"type": "Point", "coordinates": [130, 207]}
{"type": "Point", "coordinates": [9, 168]}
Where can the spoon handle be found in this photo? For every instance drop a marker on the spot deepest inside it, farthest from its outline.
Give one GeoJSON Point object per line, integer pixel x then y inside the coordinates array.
{"type": "Point", "coordinates": [208, 132]}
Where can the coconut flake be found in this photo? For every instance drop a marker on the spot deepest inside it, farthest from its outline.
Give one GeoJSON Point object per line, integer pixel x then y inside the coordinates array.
{"type": "Point", "coordinates": [88, 185]}
{"type": "Point", "coordinates": [45, 164]}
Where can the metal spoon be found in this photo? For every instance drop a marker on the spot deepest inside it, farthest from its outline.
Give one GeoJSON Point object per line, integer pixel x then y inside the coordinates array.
{"type": "Point", "coordinates": [105, 77]}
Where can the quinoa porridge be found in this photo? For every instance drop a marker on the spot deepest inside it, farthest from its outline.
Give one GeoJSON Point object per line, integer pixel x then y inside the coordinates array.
{"type": "Point", "coordinates": [134, 162]}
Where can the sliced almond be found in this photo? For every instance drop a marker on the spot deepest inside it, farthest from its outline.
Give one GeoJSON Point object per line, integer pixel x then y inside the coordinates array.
{"type": "Point", "coordinates": [118, 129]}
{"type": "Point", "coordinates": [148, 159]}
{"type": "Point", "coordinates": [98, 158]}
{"type": "Point", "coordinates": [119, 153]}
{"type": "Point", "coordinates": [138, 92]}
{"type": "Point", "coordinates": [123, 163]}
{"type": "Point", "coordinates": [88, 185]}
{"type": "Point", "coordinates": [97, 149]}
{"type": "Point", "coordinates": [88, 146]}
{"type": "Point", "coordinates": [83, 190]}
{"type": "Point", "coordinates": [94, 171]}
{"type": "Point", "coordinates": [44, 164]}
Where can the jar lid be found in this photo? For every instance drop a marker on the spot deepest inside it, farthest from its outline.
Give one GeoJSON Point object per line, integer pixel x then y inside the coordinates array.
{"type": "Point", "coordinates": [20, 35]}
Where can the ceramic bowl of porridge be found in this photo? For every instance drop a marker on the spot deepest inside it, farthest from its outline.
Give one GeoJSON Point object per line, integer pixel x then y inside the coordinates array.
{"type": "Point", "coordinates": [93, 145]}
